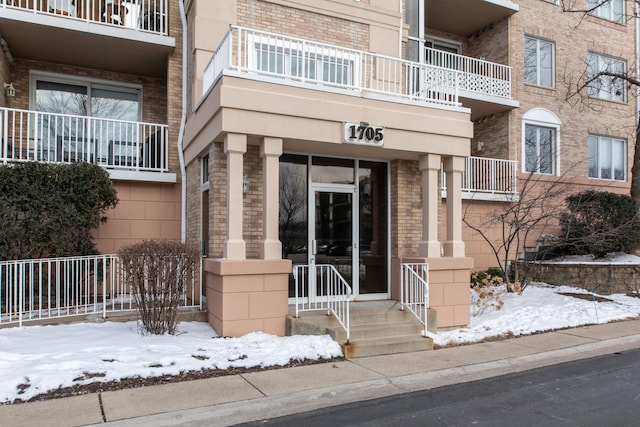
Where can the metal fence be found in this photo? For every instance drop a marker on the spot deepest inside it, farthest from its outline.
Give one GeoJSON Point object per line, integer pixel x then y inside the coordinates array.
{"type": "Point", "coordinates": [49, 288]}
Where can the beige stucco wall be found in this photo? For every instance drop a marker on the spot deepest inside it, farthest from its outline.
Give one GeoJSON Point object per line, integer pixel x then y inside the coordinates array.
{"type": "Point", "coordinates": [144, 211]}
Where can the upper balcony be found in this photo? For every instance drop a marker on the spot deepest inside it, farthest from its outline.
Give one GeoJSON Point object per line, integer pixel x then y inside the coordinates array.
{"type": "Point", "coordinates": [287, 60]}
{"type": "Point", "coordinates": [128, 150]}
{"type": "Point", "coordinates": [465, 17]}
{"type": "Point", "coordinates": [484, 87]}
{"type": "Point", "coordinates": [129, 36]}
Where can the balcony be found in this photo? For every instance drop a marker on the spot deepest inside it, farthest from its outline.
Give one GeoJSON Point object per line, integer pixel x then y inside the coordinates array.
{"type": "Point", "coordinates": [484, 87]}
{"type": "Point", "coordinates": [466, 17]}
{"type": "Point", "coordinates": [488, 179]}
{"type": "Point", "coordinates": [272, 57]}
{"type": "Point", "coordinates": [128, 150]}
{"type": "Point", "coordinates": [117, 35]}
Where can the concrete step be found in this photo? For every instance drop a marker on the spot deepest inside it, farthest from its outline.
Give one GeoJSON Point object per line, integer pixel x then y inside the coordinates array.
{"type": "Point", "coordinates": [386, 345]}
{"type": "Point", "coordinates": [378, 330]}
{"type": "Point", "coordinates": [377, 327]}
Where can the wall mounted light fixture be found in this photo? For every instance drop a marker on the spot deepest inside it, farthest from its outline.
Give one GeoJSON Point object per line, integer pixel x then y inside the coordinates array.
{"type": "Point", "coordinates": [9, 90]}
{"type": "Point", "coordinates": [245, 184]}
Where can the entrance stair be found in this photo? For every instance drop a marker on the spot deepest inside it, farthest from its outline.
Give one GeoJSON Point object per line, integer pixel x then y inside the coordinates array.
{"type": "Point", "coordinates": [377, 327]}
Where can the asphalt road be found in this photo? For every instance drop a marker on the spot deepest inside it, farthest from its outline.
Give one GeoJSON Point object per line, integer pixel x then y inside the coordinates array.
{"type": "Point", "coordinates": [601, 391]}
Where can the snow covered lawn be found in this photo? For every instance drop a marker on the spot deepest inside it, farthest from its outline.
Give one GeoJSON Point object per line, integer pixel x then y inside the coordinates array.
{"type": "Point", "coordinates": [37, 359]}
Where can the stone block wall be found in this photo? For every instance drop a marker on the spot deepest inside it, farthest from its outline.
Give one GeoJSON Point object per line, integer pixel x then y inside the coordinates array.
{"type": "Point", "coordinates": [603, 279]}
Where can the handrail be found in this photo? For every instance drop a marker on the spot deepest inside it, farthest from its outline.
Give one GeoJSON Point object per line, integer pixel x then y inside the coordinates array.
{"type": "Point", "coordinates": [322, 287]}
{"type": "Point", "coordinates": [320, 65]}
{"type": "Point", "coordinates": [27, 135]}
{"type": "Point", "coordinates": [488, 176]}
{"type": "Point", "coordinates": [140, 15]}
{"type": "Point", "coordinates": [414, 291]}
{"type": "Point", "coordinates": [476, 75]}
{"type": "Point", "coordinates": [35, 289]}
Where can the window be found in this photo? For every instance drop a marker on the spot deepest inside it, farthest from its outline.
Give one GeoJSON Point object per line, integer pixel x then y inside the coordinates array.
{"type": "Point", "coordinates": [539, 149]}
{"type": "Point", "coordinates": [540, 142]}
{"type": "Point", "coordinates": [607, 158]}
{"type": "Point", "coordinates": [538, 62]}
{"type": "Point", "coordinates": [613, 10]}
{"type": "Point", "coordinates": [204, 205]}
{"type": "Point", "coordinates": [606, 87]}
{"type": "Point", "coordinates": [67, 125]}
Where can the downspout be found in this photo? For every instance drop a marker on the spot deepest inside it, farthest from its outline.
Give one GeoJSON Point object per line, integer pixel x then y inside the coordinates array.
{"type": "Point", "coordinates": [400, 32]}
{"type": "Point", "coordinates": [636, 10]}
{"type": "Point", "coordinates": [183, 120]}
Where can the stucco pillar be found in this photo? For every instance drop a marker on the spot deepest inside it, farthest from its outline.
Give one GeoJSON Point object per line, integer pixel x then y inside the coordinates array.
{"type": "Point", "coordinates": [270, 151]}
{"type": "Point", "coordinates": [235, 146]}
{"type": "Point", "coordinates": [454, 168]}
{"type": "Point", "coordinates": [429, 246]}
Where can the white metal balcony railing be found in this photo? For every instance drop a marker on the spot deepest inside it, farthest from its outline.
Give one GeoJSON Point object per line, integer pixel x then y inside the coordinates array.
{"type": "Point", "coordinates": [141, 15]}
{"type": "Point", "coordinates": [474, 75]}
{"type": "Point", "coordinates": [36, 289]}
{"type": "Point", "coordinates": [292, 59]}
{"type": "Point", "coordinates": [63, 138]}
{"type": "Point", "coordinates": [493, 178]}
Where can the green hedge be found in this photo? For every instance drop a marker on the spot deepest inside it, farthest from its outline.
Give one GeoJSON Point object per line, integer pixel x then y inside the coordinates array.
{"type": "Point", "coordinates": [599, 222]}
{"type": "Point", "coordinates": [49, 210]}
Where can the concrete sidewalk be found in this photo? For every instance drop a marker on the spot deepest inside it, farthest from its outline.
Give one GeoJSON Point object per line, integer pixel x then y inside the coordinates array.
{"type": "Point", "coordinates": [259, 395]}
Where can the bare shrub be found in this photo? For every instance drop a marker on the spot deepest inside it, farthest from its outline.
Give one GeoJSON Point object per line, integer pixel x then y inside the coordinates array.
{"type": "Point", "coordinates": [158, 272]}
{"type": "Point", "coordinates": [487, 291]}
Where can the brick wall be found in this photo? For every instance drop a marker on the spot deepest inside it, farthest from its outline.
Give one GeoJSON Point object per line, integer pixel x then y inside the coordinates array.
{"type": "Point", "coordinates": [272, 17]}
{"type": "Point", "coordinates": [5, 77]}
{"type": "Point", "coordinates": [574, 37]}
{"type": "Point", "coordinates": [406, 208]}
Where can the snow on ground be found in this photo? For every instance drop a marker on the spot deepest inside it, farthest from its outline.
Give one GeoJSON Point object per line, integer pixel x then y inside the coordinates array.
{"type": "Point", "coordinates": [36, 359]}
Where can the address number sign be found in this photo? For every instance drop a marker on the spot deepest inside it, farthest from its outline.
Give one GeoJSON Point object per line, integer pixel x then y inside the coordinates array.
{"type": "Point", "coordinates": [363, 133]}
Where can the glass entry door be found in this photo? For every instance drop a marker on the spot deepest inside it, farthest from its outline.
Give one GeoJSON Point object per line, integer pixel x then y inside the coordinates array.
{"type": "Point", "coordinates": [332, 235]}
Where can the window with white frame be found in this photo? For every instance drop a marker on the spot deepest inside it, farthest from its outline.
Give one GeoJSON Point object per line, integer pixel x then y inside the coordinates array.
{"type": "Point", "coordinates": [612, 10]}
{"type": "Point", "coordinates": [607, 158]}
{"type": "Point", "coordinates": [603, 83]}
{"type": "Point", "coordinates": [540, 142]}
{"type": "Point", "coordinates": [539, 62]}
{"type": "Point", "coordinates": [304, 61]}
{"type": "Point", "coordinates": [539, 149]}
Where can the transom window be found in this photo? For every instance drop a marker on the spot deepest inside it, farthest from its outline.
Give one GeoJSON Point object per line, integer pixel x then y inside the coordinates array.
{"type": "Point", "coordinates": [607, 158]}
{"type": "Point", "coordinates": [603, 86]}
{"type": "Point", "coordinates": [612, 10]}
{"type": "Point", "coordinates": [538, 62]}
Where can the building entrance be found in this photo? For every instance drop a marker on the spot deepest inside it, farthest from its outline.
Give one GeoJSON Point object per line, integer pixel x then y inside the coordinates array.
{"type": "Point", "coordinates": [335, 211]}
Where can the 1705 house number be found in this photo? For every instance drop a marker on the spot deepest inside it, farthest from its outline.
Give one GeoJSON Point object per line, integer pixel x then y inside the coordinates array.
{"type": "Point", "coordinates": [363, 133]}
